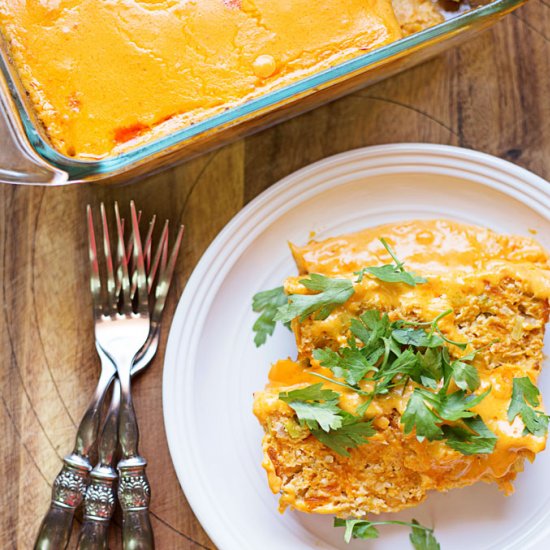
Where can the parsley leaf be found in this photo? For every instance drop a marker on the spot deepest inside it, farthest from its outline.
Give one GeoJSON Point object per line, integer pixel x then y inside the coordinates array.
{"type": "Point", "coordinates": [315, 414]}
{"type": "Point", "coordinates": [420, 416]}
{"type": "Point", "coordinates": [465, 375]}
{"type": "Point", "coordinates": [370, 329]}
{"type": "Point", "coordinates": [417, 337]}
{"type": "Point", "coordinates": [525, 397]}
{"type": "Point", "coordinates": [315, 392]}
{"type": "Point", "coordinates": [316, 408]}
{"type": "Point", "coordinates": [523, 391]}
{"type": "Point", "coordinates": [422, 538]}
{"type": "Point", "coordinates": [431, 367]}
{"type": "Point", "coordinates": [354, 432]}
{"type": "Point", "coordinates": [406, 364]}
{"type": "Point", "coordinates": [349, 364]}
{"type": "Point", "coordinates": [331, 293]}
{"type": "Point", "coordinates": [457, 405]}
{"type": "Point", "coordinates": [391, 273]}
{"type": "Point", "coordinates": [376, 321]}
{"type": "Point", "coordinates": [470, 436]}
{"type": "Point", "coordinates": [536, 422]}
{"type": "Point", "coordinates": [357, 529]}
{"type": "Point", "coordinates": [474, 438]}
{"type": "Point", "coordinates": [434, 327]}
{"type": "Point", "coordinates": [266, 303]}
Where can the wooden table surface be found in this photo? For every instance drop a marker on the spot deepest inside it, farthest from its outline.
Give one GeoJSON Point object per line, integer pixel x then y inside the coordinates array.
{"type": "Point", "coordinates": [491, 94]}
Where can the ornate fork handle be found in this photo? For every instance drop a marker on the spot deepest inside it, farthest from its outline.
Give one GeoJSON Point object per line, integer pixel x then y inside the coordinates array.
{"type": "Point", "coordinates": [134, 491]}
{"type": "Point", "coordinates": [67, 493]}
{"type": "Point", "coordinates": [100, 498]}
{"type": "Point", "coordinates": [99, 506]}
{"type": "Point", "coordinates": [134, 495]}
{"type": "Point", "coordinates": [71, 482]}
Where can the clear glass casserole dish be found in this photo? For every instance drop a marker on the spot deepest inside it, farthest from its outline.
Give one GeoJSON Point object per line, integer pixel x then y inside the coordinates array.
{"type": "Point", "coordinates": [27, 156]}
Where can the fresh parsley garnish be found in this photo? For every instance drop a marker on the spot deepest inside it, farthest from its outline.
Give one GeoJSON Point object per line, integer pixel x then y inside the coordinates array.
{"type": "Point", "coordinates": [354, 431]}
{"type": "Point", "coordinates": [331, 293]}
{"type": "Point", "coordinates": [525, 397]}
{"type": "Point", "coordinates": [419, 415]}
{"type": "Point", "coordinates": [357, 529]}
{"type": "Point", "coordinates": [434, 328]}
{"type": "Point", "coordinates": [393, 353]}
{"type": "Point", "coordinates": [318, 409]}
{"type": "Point", "coordinates": [391, 273]}
{"type": "Point", "coordinates": [267, 303]}
{"type": "Point", "coordinates": [389, 354]}
{"type": "Point", "coordinates": [350, 364]}
{"type": "Point", "coordinates": [274, 305]}
{"type": "Point", "coordinates": [457, 405]}
{"type": "Point", "coordinates": [431, 366]}
{"type": "Point", "coordinates": [471, 437]}
{"type": "Point", "coordinates": [315, 407]}
{"type": "Point", "coordinates": [468, 434]}
{"type": "Point", "coordinates": [465, 375]}
{"type": "Point", "coordinates": [417, 337]}
{"type": "Point", "coordinates": [422, 538]}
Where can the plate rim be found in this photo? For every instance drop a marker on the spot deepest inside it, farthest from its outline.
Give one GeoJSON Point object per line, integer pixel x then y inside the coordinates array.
{"type": "Point", "coordinates": [513, 180]}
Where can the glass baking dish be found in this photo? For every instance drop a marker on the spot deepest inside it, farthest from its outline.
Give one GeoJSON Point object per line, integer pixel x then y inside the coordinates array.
{"type": "Point", "coordinates": [27, 157]}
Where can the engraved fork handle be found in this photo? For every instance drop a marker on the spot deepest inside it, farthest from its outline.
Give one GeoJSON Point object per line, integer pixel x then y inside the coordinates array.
{"type": "Point", "coordinates": [134, 491]}
{"type": "Point", "coordinates": [134, 494]}
{"type": "Point", "coordinates": [70, 484]}
{"type": "Point", "coordinates": [99, 501]}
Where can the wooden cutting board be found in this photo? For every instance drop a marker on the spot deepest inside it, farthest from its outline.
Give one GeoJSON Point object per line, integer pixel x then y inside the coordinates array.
{"type": "Point", "coordinates": [491, 94]}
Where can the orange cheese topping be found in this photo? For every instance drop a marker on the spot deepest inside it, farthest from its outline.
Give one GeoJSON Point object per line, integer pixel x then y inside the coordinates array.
{"type": "Point", "coordinates": [103, 74]}
{"type": "Point", "coordinates": [498, 288]}
{"type": "Point", "coordinates": [434, 459]}
{"type": "Point", "coordinates": [435, 246]}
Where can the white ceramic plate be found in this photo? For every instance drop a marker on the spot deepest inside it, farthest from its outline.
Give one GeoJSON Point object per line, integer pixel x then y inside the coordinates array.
{"type": "Point", "coordinates": [212, 367]}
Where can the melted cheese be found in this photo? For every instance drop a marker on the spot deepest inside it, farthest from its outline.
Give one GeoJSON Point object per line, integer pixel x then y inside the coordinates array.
{"type": "Point", "coordinates": [434, 246]}
{"type": "Point", "coordinates": [437, 458]}
{"type": "Point", "coordinates": [105, 73]}
{"type": "Point", "coordinates": [498, 287]}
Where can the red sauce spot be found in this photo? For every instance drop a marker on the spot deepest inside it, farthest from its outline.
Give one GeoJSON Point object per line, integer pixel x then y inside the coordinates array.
{"type": "Point", "coordinates": [129, 132]}
{"type": "Point", "coordinates": [234, 4]}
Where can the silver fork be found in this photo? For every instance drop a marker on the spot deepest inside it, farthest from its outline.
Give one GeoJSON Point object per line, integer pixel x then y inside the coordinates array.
{"type": "Point", "coordinates": [70, 484]}
{"type": "Point", "coordinates": [99, 501]}
{"type": "Point", "coordinates": [122, 326]}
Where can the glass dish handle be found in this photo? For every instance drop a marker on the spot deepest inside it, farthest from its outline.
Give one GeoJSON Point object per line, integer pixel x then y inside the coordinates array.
{"type": "Point", "coordinates": [19, 163]}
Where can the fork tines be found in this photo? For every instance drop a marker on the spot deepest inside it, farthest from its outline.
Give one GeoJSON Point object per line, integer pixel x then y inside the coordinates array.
{"type": "Point", "coordinates": [145, 266]}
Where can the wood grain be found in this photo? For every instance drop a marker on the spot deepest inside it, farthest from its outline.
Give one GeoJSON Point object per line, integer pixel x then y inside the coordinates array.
{"type": "Point", "coordinates": [490, 94]}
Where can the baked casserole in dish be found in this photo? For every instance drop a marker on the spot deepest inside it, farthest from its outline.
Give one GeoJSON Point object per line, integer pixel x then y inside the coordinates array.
{"type": "Point", "coordinates": [100, 88]}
